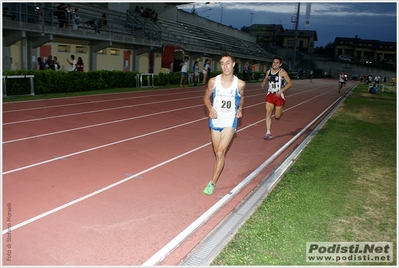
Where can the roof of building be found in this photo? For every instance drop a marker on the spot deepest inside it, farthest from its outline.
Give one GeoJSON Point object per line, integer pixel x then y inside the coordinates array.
{"type": "Point", "coordinates": [301, 33]}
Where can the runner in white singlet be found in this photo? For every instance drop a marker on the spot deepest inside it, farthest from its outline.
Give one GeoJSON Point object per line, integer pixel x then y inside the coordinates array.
{"type": "Point", "coordinates": [225, 102]}
{"type": "Point", "coordinates": [224, 99]}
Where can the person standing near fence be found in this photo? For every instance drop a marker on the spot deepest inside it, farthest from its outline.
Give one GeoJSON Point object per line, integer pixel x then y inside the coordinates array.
{"type": "Point", "coordinates": [236, 68]}
{"type": "Point", "coordinates": [341, 81]}
{"type": "Point", "coordinates": [79, 65]}
{"type": "Point", "coordinates": [224, 100]}
{"type": "Point", "coordinates": [75, 19]}
{"type": "Point", "coordinates": [310, 75]}
{"type": "Point", "coordinates": [57, 65]}
{"type": "Point", "coordinates": [205, 70]}
{"type": "Point", "coordinates": [184, 72]}
{"type": "Point", "coordinates": [49, 63]}
{"type": "Point", "coordinates": [40, 64]}
{"type": "Point", "coordinates": [196, 73]}
{"type": "Point", "coordinates": [72, 63]}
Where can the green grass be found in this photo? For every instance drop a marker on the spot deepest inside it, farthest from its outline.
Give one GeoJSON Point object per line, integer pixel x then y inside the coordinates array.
{"type": "Point", "coordinates": [341, 189]}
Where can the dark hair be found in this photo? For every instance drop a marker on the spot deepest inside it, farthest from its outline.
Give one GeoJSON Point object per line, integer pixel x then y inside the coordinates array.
{"type": "Point", "coordinates": [227, 54]}
{"type": "Point", "coordinates": [277, 58]}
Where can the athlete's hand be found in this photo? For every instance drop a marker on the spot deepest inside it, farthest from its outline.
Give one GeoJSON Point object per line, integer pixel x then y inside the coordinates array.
{"type": "Point", "coordinates": [239, 113]}
{"type": "Point", "coordinates": [213, 114]}
{"type": "Point", "coordinates": [263, 84]}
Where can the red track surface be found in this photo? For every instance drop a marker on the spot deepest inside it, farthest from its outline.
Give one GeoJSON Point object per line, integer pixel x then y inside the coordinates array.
{"type": "Point", "coordinates": [111, 179]}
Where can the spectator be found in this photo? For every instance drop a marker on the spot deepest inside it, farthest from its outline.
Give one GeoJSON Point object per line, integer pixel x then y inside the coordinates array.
{"type": "Point", "coordinates": [79, 65]}
{"type": "Point", "coordinates": [394, 81]}
{"type": "Point", "coordinates": [184, 72]}
{"type": "Point", "coordinates": [49, 63]}
{"type": "Point", "coordinates": [236, 68]}
{"type": "Point", "coordinates": [57, 65]}
{"type": "Point", "coordinates": [377, 79]}
{"type": "Point", "coordinates": [250, 73]}
{"type": "Point", "coordinates": [205, 71]}
{"type": "Point", "coordinates": [311, 75]}
{"type": "Point", "coordinates": [196, 73]}
{"type": "Point", "coordinates": [60, 12]}
{"type": "Point", "coordinates": [68, 11]}
{"type": "Point", "coordinates": [75, 19]}
{"type": "Point", "coordinates": [72, 63]}
{"type": "Point", "coordinates": [40, 64]}
{"type": "Point", "coordinates": [341, 81]}
{"type": "Point", "coordinates": [245, 70]}
{"type": "Point", "coordinates": [300, 73]}
{"type": "Point", "coordinates": [103, 21]}
{"type": "Point", "coordinates": [154, 16]}
{"type": "Point", "coordinates": [373, 89]}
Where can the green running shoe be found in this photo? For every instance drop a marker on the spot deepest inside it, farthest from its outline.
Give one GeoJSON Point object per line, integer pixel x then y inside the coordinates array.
{"type": "Point", "coordinates": [209, 188]}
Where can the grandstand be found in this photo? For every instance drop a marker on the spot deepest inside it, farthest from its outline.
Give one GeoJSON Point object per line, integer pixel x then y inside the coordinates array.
{"type": "Point", "coordinates": [32, 25]}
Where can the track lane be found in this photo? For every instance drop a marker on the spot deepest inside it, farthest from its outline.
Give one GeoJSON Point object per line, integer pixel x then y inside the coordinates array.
{"type": "Point", "coordinates": [184, 178]}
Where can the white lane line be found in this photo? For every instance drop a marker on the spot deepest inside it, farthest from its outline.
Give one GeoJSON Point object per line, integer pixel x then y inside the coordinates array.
{"type": "Point", "coordinates": [132, 138]}
{"type": "Point", "coordinates": [12, 228]}
{"type": "Point", "coordinates": [95, 111]}
{"type": "Point", "coordinates": [102, 146]}
{"type": "Point", "coordinates": [97, 101]}
{"type": "Point", "coordinates": [177, 240]}
{"type": "Point", "coordinates": [123, 107]}
{"type": "Point", "coordinates": [98, 125]}
{"type": "Point", "coordinates": [122, 181]}
{"type": "Point", "coordinates": [91, 102]}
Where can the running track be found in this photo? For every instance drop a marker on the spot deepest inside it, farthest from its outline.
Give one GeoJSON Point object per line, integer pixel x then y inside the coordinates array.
{"type": "Point", "coordinates": [111, 179]}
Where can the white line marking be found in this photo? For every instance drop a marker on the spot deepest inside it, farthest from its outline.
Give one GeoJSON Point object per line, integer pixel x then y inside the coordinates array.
{"type": "Point", "coordinates": [90, 102]}
{"type": "Point", "coordinates": [101, 110]}
{"type": "Point", "coordinates": [102, 146]}
{"type": "Point", "coordinates": [129, 178]}
{"type": "Point", "coordinates": [163, 252]}
{"type": "Point", "coordinates": [100, 190]}
{"type": "Point", "coordinates": [98, 125]}
{"type": "Point", "coordinates": [129, 139]}
{"type": "Point", "coordinates": [94, 111]}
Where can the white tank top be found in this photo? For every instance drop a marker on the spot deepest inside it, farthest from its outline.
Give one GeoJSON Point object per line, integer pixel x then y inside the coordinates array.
{"type": "Point", "coordinates": [225, 102]}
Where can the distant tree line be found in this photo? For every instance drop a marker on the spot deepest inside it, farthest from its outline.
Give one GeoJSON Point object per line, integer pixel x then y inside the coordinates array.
{"type": "Point", "coordinates": [328, 50]}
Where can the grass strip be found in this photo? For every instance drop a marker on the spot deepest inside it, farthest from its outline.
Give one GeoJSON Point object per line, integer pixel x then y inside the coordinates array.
{"type": "Point", "coordinates": [342, 188]}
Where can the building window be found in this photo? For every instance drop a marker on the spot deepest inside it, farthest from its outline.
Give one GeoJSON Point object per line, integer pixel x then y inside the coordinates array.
{"type": "Point", "coordinates": [102, 51]}
{"type": "Point", "coordinates": [64, 48]}
{"type": "Point", "coordinates": [81, 49]}
{"type": "Point", "coordinates": [115, 52]}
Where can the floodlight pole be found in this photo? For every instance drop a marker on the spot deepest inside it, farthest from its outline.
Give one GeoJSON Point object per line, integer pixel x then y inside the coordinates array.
{"type": "Point", "coordinates": [295, 36]}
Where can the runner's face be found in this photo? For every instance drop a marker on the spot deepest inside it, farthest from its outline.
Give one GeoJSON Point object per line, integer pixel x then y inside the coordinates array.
{"type": "Point", "coordinates": [276, 64]}
{"type": "Point", "coordinates": [226, 64]}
